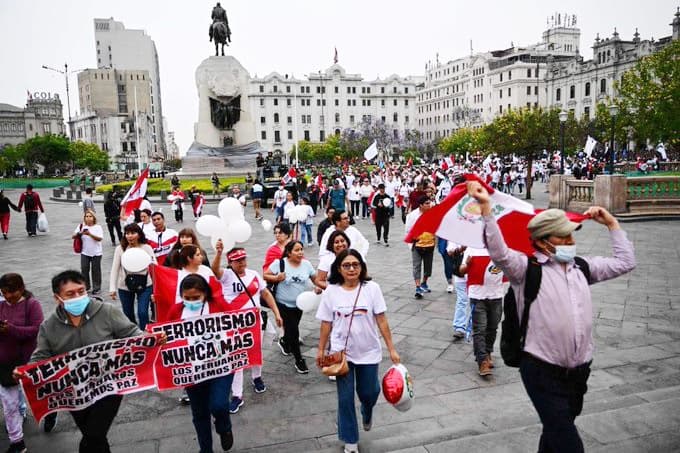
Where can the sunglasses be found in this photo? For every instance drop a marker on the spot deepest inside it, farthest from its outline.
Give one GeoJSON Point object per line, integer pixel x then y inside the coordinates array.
{"type": "Point", "coordinates": [353, 265]}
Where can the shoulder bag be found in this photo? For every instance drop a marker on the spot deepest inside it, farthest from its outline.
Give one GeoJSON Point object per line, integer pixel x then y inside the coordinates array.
{"type": "Point", "coordinates": [78, 241]}
{"type": "Point", "coordinates": [335, 364]}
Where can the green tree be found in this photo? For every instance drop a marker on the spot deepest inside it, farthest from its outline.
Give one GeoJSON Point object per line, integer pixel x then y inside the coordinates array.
{"type": "Point", "coordinates": [51, 151]}
{"type": "Point", "coordinates": [650, 94]}
{"type": "Point", "coordinates": [462, 141]}
{"type": "Point", "coordinates": [89, 155]}
{"type": "Point", "coordinates": [10, 156]}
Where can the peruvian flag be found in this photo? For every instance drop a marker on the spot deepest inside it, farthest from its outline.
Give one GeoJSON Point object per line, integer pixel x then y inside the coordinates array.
{"type": "Point", "coordinates": [458, 219]}
{"type": "Point", "coordinates": [447, 163]}
{"type": "Point", "coordinates": [133, 198]}
{"type": "Point", "coordinates": [289, 176]}
{"type": "Point", "coordinates": [166, 295]}
{"type": "Point", "coordinates": [199, 201]}
{"type": "Point", "coordinates": [410, 162]}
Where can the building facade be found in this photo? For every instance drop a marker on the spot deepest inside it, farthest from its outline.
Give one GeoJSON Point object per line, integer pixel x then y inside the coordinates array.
{"type": "Point", "coordinates": [286, 109]}
{"type": "Point", "coordinates": [471, 91]}
{"type": "Point", "coordinates": [133, 50]}
{"type": "Point", "coordinates": [110, 100]}
{"type": "Point", "coordinates": [577, 86]}
{"type": "Point", "coordinates": [42, 115]}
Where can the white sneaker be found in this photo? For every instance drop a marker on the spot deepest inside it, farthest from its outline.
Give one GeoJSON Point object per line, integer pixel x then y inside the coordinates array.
{"type": "Point", "coordinates": [449, 289]}
{"type": "Point", "coordinates": [351, 448]}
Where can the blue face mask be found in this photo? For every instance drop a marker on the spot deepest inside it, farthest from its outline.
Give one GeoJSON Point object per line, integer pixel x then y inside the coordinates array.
{"type": "Point", "coordinates": [193, 305]}
{"type": "Point", "coordinates": [77, 305]}
{"type": "Point", "coordinates": [565, 253]}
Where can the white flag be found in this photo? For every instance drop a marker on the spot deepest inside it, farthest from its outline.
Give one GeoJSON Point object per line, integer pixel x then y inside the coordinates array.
{"type": "Point", "coordinates": [661, 149]}
{"type": "Point", "coordinates": [590, 145]}
{"type": "Point", "coordinates": [372, 151]}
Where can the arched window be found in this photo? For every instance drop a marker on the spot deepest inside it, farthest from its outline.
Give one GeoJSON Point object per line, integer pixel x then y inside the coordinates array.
{"type": "Point", "coordinates": [603, 86]}
{"type": "Point", "coordinates": [276, 117]}
{"type": "Point", "coordinates": [587, 88]}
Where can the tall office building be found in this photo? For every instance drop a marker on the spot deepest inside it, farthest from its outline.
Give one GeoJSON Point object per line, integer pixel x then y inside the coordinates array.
{"type": "Point", "coordinates": [123, 49]}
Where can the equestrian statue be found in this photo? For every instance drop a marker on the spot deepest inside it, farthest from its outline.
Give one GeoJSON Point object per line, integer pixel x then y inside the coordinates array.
{"type": "Point", "coordinates": [219, 29]}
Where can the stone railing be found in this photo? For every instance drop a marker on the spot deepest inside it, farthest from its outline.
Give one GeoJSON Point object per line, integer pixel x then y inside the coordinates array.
{"type": "Point", "coordinates": [580, 194]}
{"type": "Point", "coordinates": [653, 195]}
{"type": "Point", "coordinates": [627, 167]}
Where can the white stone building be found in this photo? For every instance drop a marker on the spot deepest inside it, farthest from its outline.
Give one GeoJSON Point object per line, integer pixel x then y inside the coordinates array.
{"type": "Point", "coordinates": [123, 49]}
{"type": "Point", "coordinates": [471, 91]}
{"type": "Point", "coordinates": [286, 109]}
{"type": "Point", "coordinates": [42, 115]}
{"type": "Point", "coordinates": [578, 86]}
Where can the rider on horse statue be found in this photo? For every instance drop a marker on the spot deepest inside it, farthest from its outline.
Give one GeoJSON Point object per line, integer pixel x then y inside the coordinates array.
{"type": "Point", "coordinates": [219, 15]}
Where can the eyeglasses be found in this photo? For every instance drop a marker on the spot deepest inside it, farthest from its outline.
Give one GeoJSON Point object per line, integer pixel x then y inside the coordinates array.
{"type": "Point", "coordinates": [352, 265]}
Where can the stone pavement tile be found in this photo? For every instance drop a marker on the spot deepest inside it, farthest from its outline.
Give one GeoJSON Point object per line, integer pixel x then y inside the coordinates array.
{"type": "Point", "coordinates": [621, 424]}
{"type": "Point", "coordinates": [412, 450]}
{"type": "Point", "coordinates": [654, 382]}
{"type": "Point", "coordinates": [149, 446]}
{"type": "Point", "coordinates": [640, 354]}
{"type": "Point", "coordinates": [660, 394]}
{"type": "Point", "coordinates": [654, 443]}
{"type": "Point", "coordinates": [671, 346]}
{"type": "Point", "coordinates": [447, 383]}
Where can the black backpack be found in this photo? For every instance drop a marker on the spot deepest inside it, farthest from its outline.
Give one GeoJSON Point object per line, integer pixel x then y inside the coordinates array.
{"type": "Point", "coordinates": [513, 332]}
{"type": "Point", "coordinates": [29, 201]}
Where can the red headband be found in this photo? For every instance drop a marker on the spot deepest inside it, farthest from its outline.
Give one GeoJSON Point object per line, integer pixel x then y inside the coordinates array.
{"type": "Point", "coordinates": [237, 255]}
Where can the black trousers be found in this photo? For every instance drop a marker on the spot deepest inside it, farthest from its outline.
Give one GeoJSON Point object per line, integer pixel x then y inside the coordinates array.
{"type": "Point", "coordinates": [382, 224]}
{"type": "Point", "coordinates": [94, 423]}
{"type": "Point", "coordinates": [31, 222]}
{"type": "Point", "coordinates": [114, 224]}
{"type": "Point", "coordinates": [291, 328]}
{"type": "Point", "coordinates": [179, 214]}
{"type": "Point", "coordinates": [558, 400]}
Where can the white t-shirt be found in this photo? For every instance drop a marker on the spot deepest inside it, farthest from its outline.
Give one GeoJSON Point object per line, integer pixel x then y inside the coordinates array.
{"type": "Point", "coordinates": [354, 193]}
{"type": "Point", "coordinates": [325, 263]}
{"type": "Point", "coordinates": [280, 197]}
{"type": "Point", "coordinates": [232, 287]}
{"type": "Point", "coordinates": [484, 278]}
{"type": "Point", "coordinates": [203, 271]}
{"type": "Point", "coordinates": [363, 346]}
{"type": "Point", "coordinates": [90, 246]}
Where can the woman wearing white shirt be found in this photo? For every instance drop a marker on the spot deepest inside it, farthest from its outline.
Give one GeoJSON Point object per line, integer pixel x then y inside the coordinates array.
{"type": "Point", "coordinates": [91, 253]}
{"type": "Point", "coordinates": [354, 195]}
{"type": "Point", "coordinates": [337, 242]}
{"type": "Point", "coordinates": [351, 312]}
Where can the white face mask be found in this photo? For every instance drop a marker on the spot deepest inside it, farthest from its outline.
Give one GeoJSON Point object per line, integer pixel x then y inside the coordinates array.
{"type": "Point", "coordinates": [564, 253]}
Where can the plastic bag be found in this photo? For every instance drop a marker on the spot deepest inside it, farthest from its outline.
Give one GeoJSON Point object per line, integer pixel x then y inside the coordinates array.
{"type": "Point", "coordinates": [397, 387]}
{"type": "Point", "coordinates": [43, 225]}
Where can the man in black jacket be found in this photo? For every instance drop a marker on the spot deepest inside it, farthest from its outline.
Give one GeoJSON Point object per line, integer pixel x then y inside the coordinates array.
{"type": "Point", "coordinates": [325, 223]}
{"type": "Point", "coordinates": [112, 213]}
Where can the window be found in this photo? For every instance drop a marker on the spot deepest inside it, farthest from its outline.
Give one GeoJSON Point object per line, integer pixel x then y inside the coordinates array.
{"type": "Point", "coordinates": [354, 90]}
{"type": "Point", "coordinates": [263, 120]}
{"type": "Point", "coordinates": [509, 92]}
{"type": "Point", "coordinates": [304, 119]}
{"type": "Point", "coordinates": [322, 136]}
{"type": "Point", "coordinates": [302, 102]}
{"type": "Point", "coordinates": [395, 134]}
{"type": "Point", "coordinates": [529, 73]}
{"type": "Point", "coordinates": [536, 90]}
{"type": "Point", "coordinates": [586, 112]}
{"type": "Point", "coordinates": [501, 74]}
{"type": "Point", "coordinates": [261, 102]}
{"type": "Point", "coordinates": [500, 109]}
{"type": "Point", "coordinates": [336, 90]}
{"type": "Point", "coordinates": [123, 146]}
{"type": "Point", "coordinates": [46, 128]}
{"type": "Point", "coordinates": [572, 92]}
{"type": "Point", "coordinates": [405, 102]}
{"type": "Point", "coordinates": [395, 117]}
{"type": "Point", "coordinates": [349, 90]}
{"type": "Point", "coordinates": [318, 90]}
{"type": "Point", "coordinates": [263, 134]}
{"type": "Point", "coordinates": [276, 101]}
{"type": "Point", "coordinates": [587, 88]}
{"type": "Point", "coordinates": [351, 119]}
{"type": "Point", "coordinates": [337, 117]}
{"type": "Point", "coordinates": [500, 93]}
{"type": "Point", "coordinates": [321, 119]}
{"type": "Point", "coordinates": [394, 102]}
{"type": "Point", "coordinates": [290, 135]}
{"type": "Point", "coordinates": [406, 90]}
{"type": "Point", "coordinates": [306, 135]}
{"type": "Point", "coordinates": [558, 94]}
{"type": "Point", "coordinates": [277, 137]}
{"type": "Point", "coordinates": [261, 88]}
{"type": "Point", "coordinates": [382, 90]}
{"type": "Point", "coordinates": [309, 119]}
{"type": "Point", "coordinates": [276, 117]}
{"type": "Point", "coordinates": [289, 102]}
{"type": "Point", "coordinates": [394, 90]}
{"type": "Point", "coordinates": [406, 119]}
{"type": "Point", "coordinates": [318, 102]}
{"type": "Point", "coordinates": [382, 103]}
{"type": "Point", "coordinates": [349, 102]}
{"type": "Point", "coordinates": [133, 147]}
{"type": "Point", "coordinates": [337, 103]}
{"type": "Point", "coordinates": [603, 86]}
{"type": "Point", "coordinates": [289, 120]}
{"type": "Point", "coordinates": [509, 75]}
{"type": "Point", "coordinates": [287, 88]}
{"type": "Point", "coordinates": [276, 89]}
{"type": "Point", "coordinates": [302, 89]}
{"type": "Point", "coordinates": [528, 90]}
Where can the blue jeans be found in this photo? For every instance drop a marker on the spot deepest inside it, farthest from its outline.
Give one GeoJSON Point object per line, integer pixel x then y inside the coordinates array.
{"type": "Point", "coordinates": [206, 398]}
{"type": "Point", "coordinates": [460, 319]}
{"type": "Point", "coordinates": [127, 300]}
{"type": "Point", "coordinates": [368, 390]}
{"type": "Point", "coordinates": [551, 398]}
{"type": "Point", "coordinates": [306, 233]}
{"type": "Point", "coordinates": [448, 260]}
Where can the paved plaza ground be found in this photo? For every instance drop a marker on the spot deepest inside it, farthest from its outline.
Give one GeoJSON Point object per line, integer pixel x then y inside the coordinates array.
{"type": "Point", "coordinates": [633, 402]}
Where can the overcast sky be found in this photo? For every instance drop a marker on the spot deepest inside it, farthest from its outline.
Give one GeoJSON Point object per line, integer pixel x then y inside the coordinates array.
{"type": "Point", "coordinates": [373, 37]}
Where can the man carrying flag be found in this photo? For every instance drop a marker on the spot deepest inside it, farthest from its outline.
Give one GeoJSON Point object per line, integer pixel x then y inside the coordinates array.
{"type": "Point", "coordinates": [558, 351]}
{"type": "Point", "coordinates": [135, 196]}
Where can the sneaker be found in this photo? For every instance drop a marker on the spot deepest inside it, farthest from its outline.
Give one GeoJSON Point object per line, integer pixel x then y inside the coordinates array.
{"type": "Point", "coordinates": [332, 378]}
{"type": "Point", "coordinates": [17, 447]}
{"type": "Point", "coordinates": [425, 288]}
{"type": "Point", "coordinates": [458, 334]}
{"type": "Point", "coordinates": [449, 289]}
{"type": "Point", "coordinates": [419, 293]}
{"type": "Point", "coordinates": [50, 422]}
{"type": "Point", "coordinates": [485, 368]}
{"type": "Point", "coordinates": [235, 404]}
{"type": "Point", "coordinates": [258, 385]}
{"type": "Point", "coordinates": [378, 242]}
{"type": "Point", "coordinates": [368, 424]}
{"type": "Point", "coordinates": [351, 448]}
{"type": "Point", "coordinates": [4, 236]}
{"type": "Point", "coordinates": [282, 347]}
{"type": "Point", "coordinates": [386, 244]}
{"type": "Point", "coordinates": [301, 366]}
{"type": "Point", "coordinates": [227, 440]}
{"type": "Point", "coordinates": [184, 399]}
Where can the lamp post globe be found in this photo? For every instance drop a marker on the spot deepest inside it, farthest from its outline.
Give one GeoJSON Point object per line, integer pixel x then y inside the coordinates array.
{"type": "Point", "coordinates": [563, 119]}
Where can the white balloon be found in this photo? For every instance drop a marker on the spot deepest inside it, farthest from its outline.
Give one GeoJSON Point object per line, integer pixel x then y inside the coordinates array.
{"type": "Point", "coordinates": [308, 301]}
{"type": "Point", "coordinates": [240, 230]}
{"type": "Point", "coordinates": [301, 210]}
{"type": "Point", "coordinates": [229, 207]}
{"type": "Point", "coordinates": [267, 225]}
{"type": "Point", "coordinates": [172, 197]}
{"type": "Point", "coordinates": [387, 202]}
{"type": "Point", "coordinates": [134, 259]}
{"type": "Point", "coordinates": [227, 242]}
{"type": "Point", "coordinates": [80, 203]}
{"type": "Point", "coordinates": [292, 217]}
{"type": "Point", "coordinates": [208, 225]}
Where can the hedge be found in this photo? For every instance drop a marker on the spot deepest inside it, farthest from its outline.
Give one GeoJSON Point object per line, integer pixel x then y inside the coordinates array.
{"type": "Point", "coordinates": [155, 186]}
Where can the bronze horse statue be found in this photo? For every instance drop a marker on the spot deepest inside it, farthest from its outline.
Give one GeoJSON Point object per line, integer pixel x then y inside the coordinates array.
{"type": "Point", "coordinates": [221, 34]}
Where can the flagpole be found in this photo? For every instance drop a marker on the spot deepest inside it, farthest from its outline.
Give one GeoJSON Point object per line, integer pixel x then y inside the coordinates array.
{"type": "Point", "coordinates": [139, 154]}
{"type": "Point", "coordinates": [295, 127]}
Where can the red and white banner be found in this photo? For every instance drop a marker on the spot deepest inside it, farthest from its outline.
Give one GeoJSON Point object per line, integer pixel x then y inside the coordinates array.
{"type": "Point", "coordinates": [77, 379]}
{"type": "Point", "coordinates": [458, 219]}
{"type": "Point", "coordinates": [199, 201]}
{"type": "Point", "coordinates": [207, 347]}
{"type": "Point", "coordinates": [166, 282]}
{"type": "Point", "coordinates": [447, 163]}
{"type": "Point", "coordinates": [289, 176]}
{"type": "Point", "coordinates": [133, 198]}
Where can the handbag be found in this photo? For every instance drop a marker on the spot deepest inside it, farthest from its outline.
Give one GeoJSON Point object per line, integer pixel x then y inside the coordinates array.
{"type": "Point", "coordinates": [135, 282]}
{"type": "Point", "coordinates": [78, 241]}
{"type": "Point", "coordinates": [335, 364]}
{"type": "Point", "coordinates": [272, 286]}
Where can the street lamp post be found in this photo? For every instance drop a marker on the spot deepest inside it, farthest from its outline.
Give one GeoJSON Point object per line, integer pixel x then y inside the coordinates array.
{"type": "Point", "coordinates": [68, 97]}
{"type": "Point", "coordinates": [613, 111]}
{"type": "Point", "coordinates": [563, 119]}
